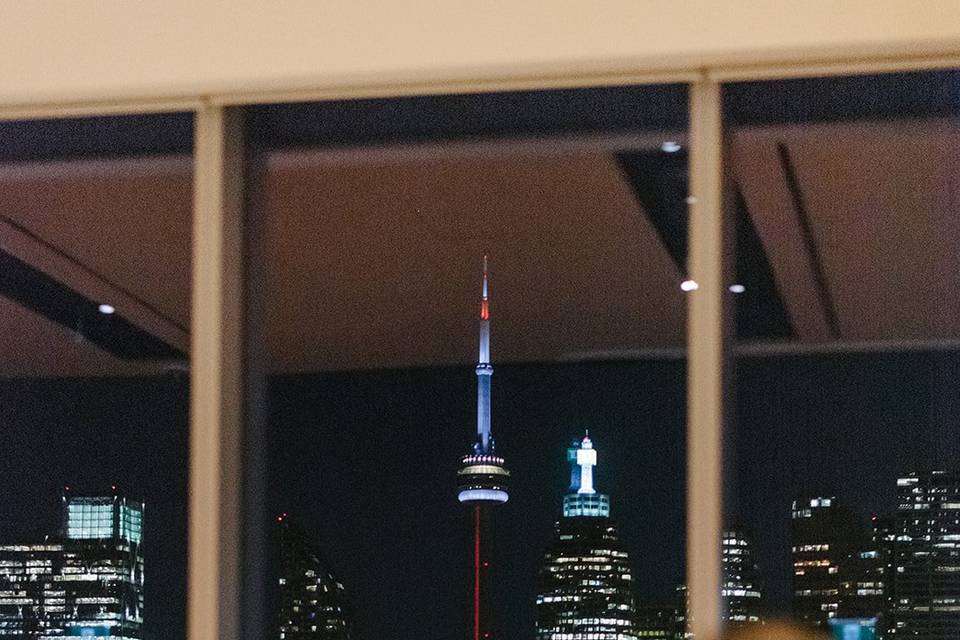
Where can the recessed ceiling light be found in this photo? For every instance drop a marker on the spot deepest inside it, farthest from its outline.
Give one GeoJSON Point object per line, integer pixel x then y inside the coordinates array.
{"type": "Point", "coordinates": [106, 309]}
{"type": "Point", "coordinates": [737, 288]}
{"type": "Point", "coordinates": [689, 285]}
{"type": "Point", "coordinates": [670, 146]}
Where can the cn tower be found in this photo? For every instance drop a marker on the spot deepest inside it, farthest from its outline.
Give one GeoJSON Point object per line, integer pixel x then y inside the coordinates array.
{"type": "Point", "coordinates": [482, 478]}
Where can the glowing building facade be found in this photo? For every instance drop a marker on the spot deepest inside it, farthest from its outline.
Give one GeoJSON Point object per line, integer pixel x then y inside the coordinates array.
{"type": "Point", "coordinates": [586, 588]}
{"type": "Point", "coordinates": [86, 583]}
{"type": "Point", "coordinates": [482, 479]}
{"type": "Point", "coordinates": [926, 557]}
{"type": "Point", "coordinates": [312, 601]}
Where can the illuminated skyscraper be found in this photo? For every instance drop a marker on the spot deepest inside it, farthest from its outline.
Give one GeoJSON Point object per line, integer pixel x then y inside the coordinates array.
{"type": "Point", "coordinates": [741, 592]}
{"type": "Point", "coordinates": [657, 622]}
{"type": "Point", "coordinates": [926, 557]}
{"type": "Point", "coordinates": [312, 602]}
{"type": "Point", "coordinates": [586, 583]}
{"type": "Point", "coordinates": [741, 589]}
{"type": "Point", "coordinates": [89, 582]}
{"type": "Point", "coordinates": [482, 478]}
{"type": "Point", "coordinates": [882, 543]}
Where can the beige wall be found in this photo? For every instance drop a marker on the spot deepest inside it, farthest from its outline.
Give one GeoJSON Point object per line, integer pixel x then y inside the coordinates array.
{"type": "Point", "coordinates": [105, 50]}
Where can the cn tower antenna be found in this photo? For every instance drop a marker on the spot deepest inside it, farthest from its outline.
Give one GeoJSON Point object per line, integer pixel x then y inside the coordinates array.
{"type": "Point", "coordinates": [485, 296]}
{"type": "Point", "coordinates": [482, 481]}
{"type": "Point", "coordinates": [484, 368]}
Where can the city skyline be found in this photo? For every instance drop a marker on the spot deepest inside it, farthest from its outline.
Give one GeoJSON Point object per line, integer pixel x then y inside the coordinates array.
{"type": "Point", "coordinates": [835, 533]}
{"type": "Point", "coordinates": [643, 468]}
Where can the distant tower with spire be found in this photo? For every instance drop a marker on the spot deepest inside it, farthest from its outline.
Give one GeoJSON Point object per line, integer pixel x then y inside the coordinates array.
{"type": "Point", "coordinates": [482, 478]}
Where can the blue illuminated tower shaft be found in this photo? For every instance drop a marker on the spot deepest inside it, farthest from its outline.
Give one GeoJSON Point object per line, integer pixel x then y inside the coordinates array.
{"type": "Point", "coordinates": [484, 371]}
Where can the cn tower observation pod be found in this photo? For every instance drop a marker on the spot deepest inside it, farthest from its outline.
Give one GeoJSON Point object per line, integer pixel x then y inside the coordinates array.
{"type": "Point", "coordinates": [482, 477]}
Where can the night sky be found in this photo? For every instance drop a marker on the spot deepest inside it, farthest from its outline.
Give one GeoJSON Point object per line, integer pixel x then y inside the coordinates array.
{"type": "Point", "coordinates": [366, 463]}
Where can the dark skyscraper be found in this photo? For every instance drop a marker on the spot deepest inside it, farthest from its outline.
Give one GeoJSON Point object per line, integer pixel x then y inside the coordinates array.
{"type": "Point", "coordinates": [823, 538]}
{"type": "Point", "coordinates": [926, 557]}
{"type": "Point", "coordinates": [586, 583]}
{"type": "Point", "coordinates": [312, 605]}
{"type": "Point", "coordinates": [482, 479]}
{"type": "Point", "coordinates": [89, 582]}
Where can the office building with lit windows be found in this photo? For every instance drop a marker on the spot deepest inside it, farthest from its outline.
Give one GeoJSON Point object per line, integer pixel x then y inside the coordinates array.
{"type": "Point", "coordinates": [657, 622]}
{"type": "Point", "coordinates": [683, 607]}
{"type": "Point", "coordinates": [883, 539]}
{"type": "Point", "coordinates": [822, 540]}
{"type": "Point", "coordinates": [741, 590]}
{"type": "Point", "coordinates": [838, 572]}
{"type": "Point", "coordinates": [312, 601]}
{"type": "Point", "coordinates": [586, 585]}
{"type": "Point", "coordinates": [87, 582]}
{"type": "Point", "coordinates": [926, 557]}
{"type": "Point", "coordinates": [863, 606]}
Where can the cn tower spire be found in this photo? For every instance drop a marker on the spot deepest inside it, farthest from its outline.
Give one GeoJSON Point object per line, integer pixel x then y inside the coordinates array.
{"type": "Point", "coordinates": [484, 369]}
{"type": "Point", "coordinates": [485, 296]}
{"type": "Point", "coordinates": [482, 481]}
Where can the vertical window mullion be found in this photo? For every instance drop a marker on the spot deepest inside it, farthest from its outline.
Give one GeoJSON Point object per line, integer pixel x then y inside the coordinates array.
{"type": "Point", "coordinates": [216, 398]}
{"type": "Point", "coordinates": [706, 361]}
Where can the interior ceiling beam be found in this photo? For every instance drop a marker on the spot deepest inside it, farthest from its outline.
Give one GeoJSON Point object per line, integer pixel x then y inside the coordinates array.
{"type": "Point", "coordinates": [479, 148]}
{"type": "Point", "coordinates": [756, 166]}
{"type": "Point", "coordinates": [746, 349]}
{"type": "Point", "coordinates": [47, 261]}
{"type": "Point", "coordinates": [827, 306]}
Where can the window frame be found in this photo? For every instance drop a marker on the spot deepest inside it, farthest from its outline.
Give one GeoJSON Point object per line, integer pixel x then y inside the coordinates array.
{"type": "Point", "coordinates": [220, 373]}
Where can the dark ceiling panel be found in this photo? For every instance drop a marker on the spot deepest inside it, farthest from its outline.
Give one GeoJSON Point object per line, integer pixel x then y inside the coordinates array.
{"type": "Point", "coordinates": [659, 181]}
{"type": "Point", "coordinates": [100, 137]}
{"type": "Point", "coordinates": [58, 303]}
{"type": "Point", "coordinates": [450, 117]}
{"type": "Point", "coordinates": [843, 98]}
{"type": "Point", "coordinates": [761, 311]}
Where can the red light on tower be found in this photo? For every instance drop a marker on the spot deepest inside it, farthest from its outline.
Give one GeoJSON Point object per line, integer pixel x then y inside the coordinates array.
{"type": "Point", "coordinates": [484, 299]}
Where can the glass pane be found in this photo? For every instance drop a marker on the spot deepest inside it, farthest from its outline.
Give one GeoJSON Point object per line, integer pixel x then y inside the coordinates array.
{"type": "Point", "coordinates": [474, 323]}
{"type": "Point", "coordinates": [843, 461]}
{"type": "Point", "coordinates": [95, 219]}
